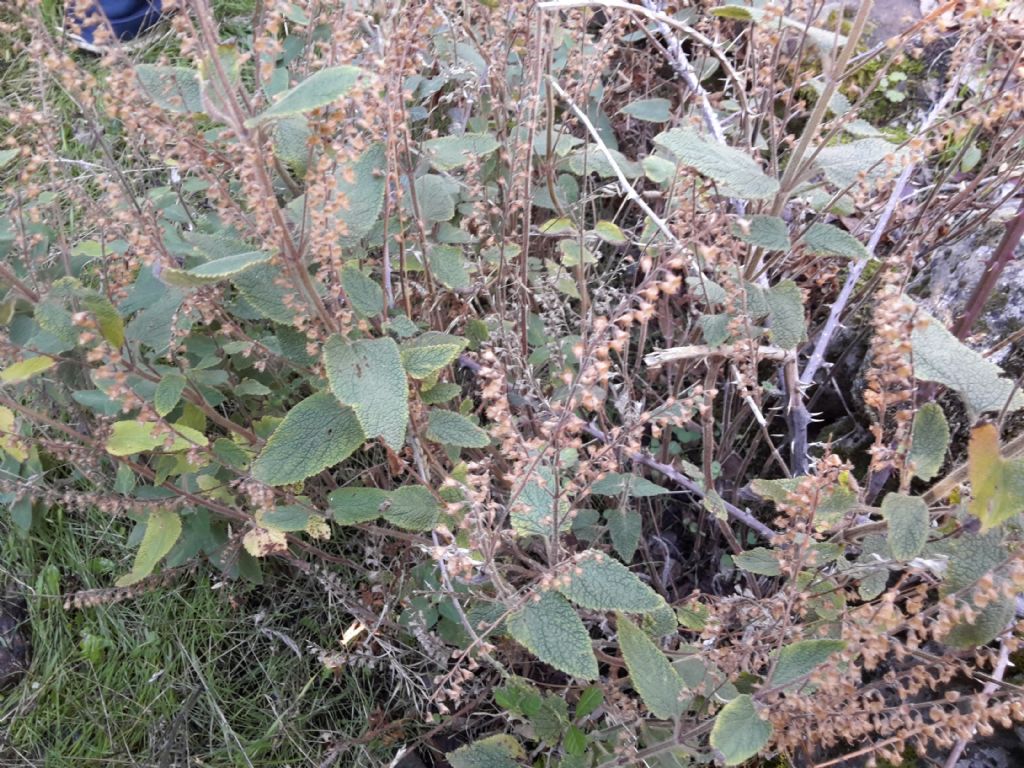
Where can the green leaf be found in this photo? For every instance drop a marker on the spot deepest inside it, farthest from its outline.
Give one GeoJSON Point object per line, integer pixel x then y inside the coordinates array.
{"type": "Point", "coordinates": [939, 356]}
{"type": "Point", "coordinates": [929, 440]}
{"type": "Point", "coordinates": [214, 271]}
{"type": "Point", "coordinates": [499, 751]}
{"type": "Point", "coordinates": [128, 437]}
{"type": "Point", "coordinates": [26, 369]}
{"type": "Point", "coordinates": [163, 527]}
{"type": "Point", "coordinates": [291, 137]}
{"type": "Point", "coordinates": [997, 484]}
{"type": "Point", "coordinates": [361, 185]}
{"type": "Point", "coordinates": [649, 110]}
{"type": "Point", "coordinates": [441, 392]}
{"type": "Point", "coordinates": [318, 90]}
{"type": "Point", "coordinates": [650, 673]}
{"type": "Point", "coordinates": [970, 558]}
{"type": "Point", "coordinates": [739, 733]}
{"type": "Point", "coordinates": [317, 433]}
{"type": "Point", "coordinates": [412, 507]}
{"type": "Point", "coordinates": [615, 484]}
{"type": "Point", "coordinates": [448, 265]}
{"type": "Point", "coordinates": [907, 517]}
{"type": "Point", "coordinates": [590, 699]}
{"type": "Point", "coordinates": [844, 165]}
{"type": "Point", "coordinates": [175, 89]}
{"type": "Point", "coordinates": [450, 428]}
{"type": "Point", "coordinates": [658, 169]}
{"type": "Point", "coordinates": [434, 198]}
{"type": "Point", "coordinates": [759, 560]}
{"type": "Point", "coordinates": [801, 658]}
{"type": "Point", "coordinates": [107, 318]}
{"type": "Point", "coordinates": [288, 518]}
{"type": "Point", "coordinates": [609, 232]}
{"type": "Point", "coordinates": [768, 232]}
{"type": "Point", "coordinates": [533, 510]}
{"type": "Point", "coordinates": [168, 393]}
{"type": "Point", "coordinates": [786, 315]}
{"type": "Point", "coordinates": [261, 289]}
{"type": "Point", "coordinates": [357, 505]}
{"type": "Point", "coordinates": [7, 156]}
{"type": "Point", "coordinates": [368, 376]}
{"type": "Point", "coordinates": [737, 172]}
{"type": "Point", "coordinates": [602, 583]}
{"type": "Point", "coordinates": [450, 152]}
{"type": "Point", "coordinates": [549, 628]}
{"type": "Point", "coordinates": [827, 240]}
{"type": "Point", "coordinates": [430, 352]}
{"type": "Point", "coordinates": [624, 526]}
{"type": "Point", "coordinates": [362, 292]}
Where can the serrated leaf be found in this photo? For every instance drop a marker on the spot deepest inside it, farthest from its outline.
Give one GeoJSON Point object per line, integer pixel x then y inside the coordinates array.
{"type": "Point", "coordinates": [929, 440]}
{"type": "Point", "coordinates": [533, 510]}
{"type": "Point", "coordinates": [428, 353]}
{"type": "Point", "coordinates": [361, 186]}
{"type": "Point", "coordinates": [163, 527]}
{"type": "Point", "coordinates": [175, 89]}
{"type": "Point", "coordinates": [107, 318]}
{"type": "Point", "coordinates": [434, 198]}
{"type": "Point", "coordinates": [601, 583]}
{"type": "Point", "coordinates": [997, 484]}
{"type": "Point", "coordinates": [291, 137]}
{"type": "Point", "coordinates": [441, 392]}
{"type": "Point", "coordinates": [357, 505]}
{"type": "Point", "coordinates": [362, 292]}
{"type": "Point", "coordinates": [412, 507]}
{"type": "Point", "coordinates": [649, 110]}
{"type": "Point", "coordinates": [318, 90]}
{"type": "Point", "coordinates": [368, 376]}
{"type": "Point", "coordinates": [168, 393]}
{"type": "Point", "coordinates": [970, 558]}
{"type": "Point", "coordinates": [801, 658]}
{"type": "Point", "coordinates": [590, 699]}
{"type": "Point", "coordinates": [128, 437]}
{"type": "Point", "coordinates": [759, 560]}
{"type": "Point", "coordinates": [450, 428]}
{"type": "Point", "coordinates": [715, 328]}
{"type": "Point", "coordinates": [844, 165]}
{"type": "Point", "coordinates": [261, 289]}
{"type": "Point", "coordinates": [827, 240]}
{"type": "Point", "coordinates": [449, 152]}
{"type": "Point", "coordinates": [499, 751]}
{"type": "Point", "coordinates": [615, 484]}
{"type": "Point", "coordinates": [448, 265]}
{"type": "Point", "coordinates": [939, 356]}
{"type": "Point", "coordinates": [786, 315]}
{"type": "Point", "coordinates": [768, 232]}
{"type": "Point", "coordinates": [650, 672]}
{"type": "Point", "coordinates": [907, 518]}
{"type": "Point", "coordinates": [624, 526]}
{"type": "Point", "coordinates": [739, 173]}
{"type": "Point", "coordinates": [739, 733]}
{"type": "Point", "coordinates": [552, 631]}
{"type": "Point", "coordinates": [317, 433]}
{"type": "Point", "coordinates": [214, 271]}
{"type": "Point", "coordinates": [26, 369]}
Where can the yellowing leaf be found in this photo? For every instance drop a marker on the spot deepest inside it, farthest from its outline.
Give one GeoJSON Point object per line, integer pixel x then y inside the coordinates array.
{"type": "Point", "coordinates": [162, 531]}
{"type": "Point", "coordinates": [997, 484]}
{"type": "Point", "coordinates": [26, 369]}
{"type": "Point", "coordinates": [260, 542]}
{"type": "Point", "coordinates": [7, 439]}
{"type": "Point", "coordinates": [128, 437]}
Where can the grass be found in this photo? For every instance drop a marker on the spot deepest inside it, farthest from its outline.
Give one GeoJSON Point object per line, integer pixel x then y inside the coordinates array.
{"type": "Point", "coordinates": [187, 674]}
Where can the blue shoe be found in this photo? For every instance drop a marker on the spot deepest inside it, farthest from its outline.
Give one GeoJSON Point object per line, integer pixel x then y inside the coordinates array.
{"type": "Point", "coordinates": [127, 20]}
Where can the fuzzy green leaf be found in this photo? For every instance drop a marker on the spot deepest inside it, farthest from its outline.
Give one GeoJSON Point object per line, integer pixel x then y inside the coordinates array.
{"type": "Point", "coordinates": [449, 152]}
{"type": "Point", "coordinates": [261, 289]}
{"type": "Point", "coordinates": [929, 440]}
{"type": "Point", "coordinates": [602, 583]}
{"type": "Point", "coordinates": [26, 369]}
{"type": "Point", "coordinates": [168, 393]}
{"type": "Point", "coordinates": [441, 392]}
{"type": "Point", "coordinates": [649, 110]}
{"type": "Point", "coordinates": [624, 526]}
{"type": "Point", "coordinates": [800, 658]}
{"type": "Point", "coordinates": [107, 318]}
{"type": "Point", "coordinates": [318, 90]}
{"type": "Point", "coordinates": [368, 376]}
{"type": "Point", "coordinates": [552, 631]}
{"type": "Point", "coordinates": [759, 560]}
{"type": "Point", "coordinates": [844, 164]}
{"type": "Point", "coordinates": [361, 186]}
{"type": "Point", "coordinates": [214, 271]}
{"type": "Point", "coordinates": [650, 672]}
{"type": "Point", "coordinates": [533, 510]}
{"type": "Point", "coordinates": [768, 232]}
{"type": "Point", "coordinates": [317, 433]}
{"type": "Point", "coordinates": [827, 240]}
{"type": "Point", "coordinates": [412, 507]}
{"type": "Point", "coordinates": [786, 314]}
{"type": "Point", "coordinates": [739, 733]}
{"type": "Point", "coordinates": [448, 265]}
{"type": "Point", "coordinates": [450, 428]}
{"type": "Point", "coordinates": [739, 174]}
{"type": "Point", "coordinates": [939, 356]}
{"type": "Point", "coordinates": [362, 292]}
{"type": "Point", "coordinates": [434, 198]}
{"type": "Point", "coordinates": [499, 751]}
{"type": "Point", "coordinates": [615, 484]}
{"type": "Point", "coordinates": [128, 437]}
{"type": "Point", "coordinates": [175, 89]}
{"type": "Point", "coordinates": [163, 527]}
{"type": "Point", "coordinates": [907, 517]}
{"type": "Point", "coordinates": [357, 505]}
{"type": "Point", "coordinates": [970, 558]}
{"type": "Point", "coordinates": [430, 352]}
